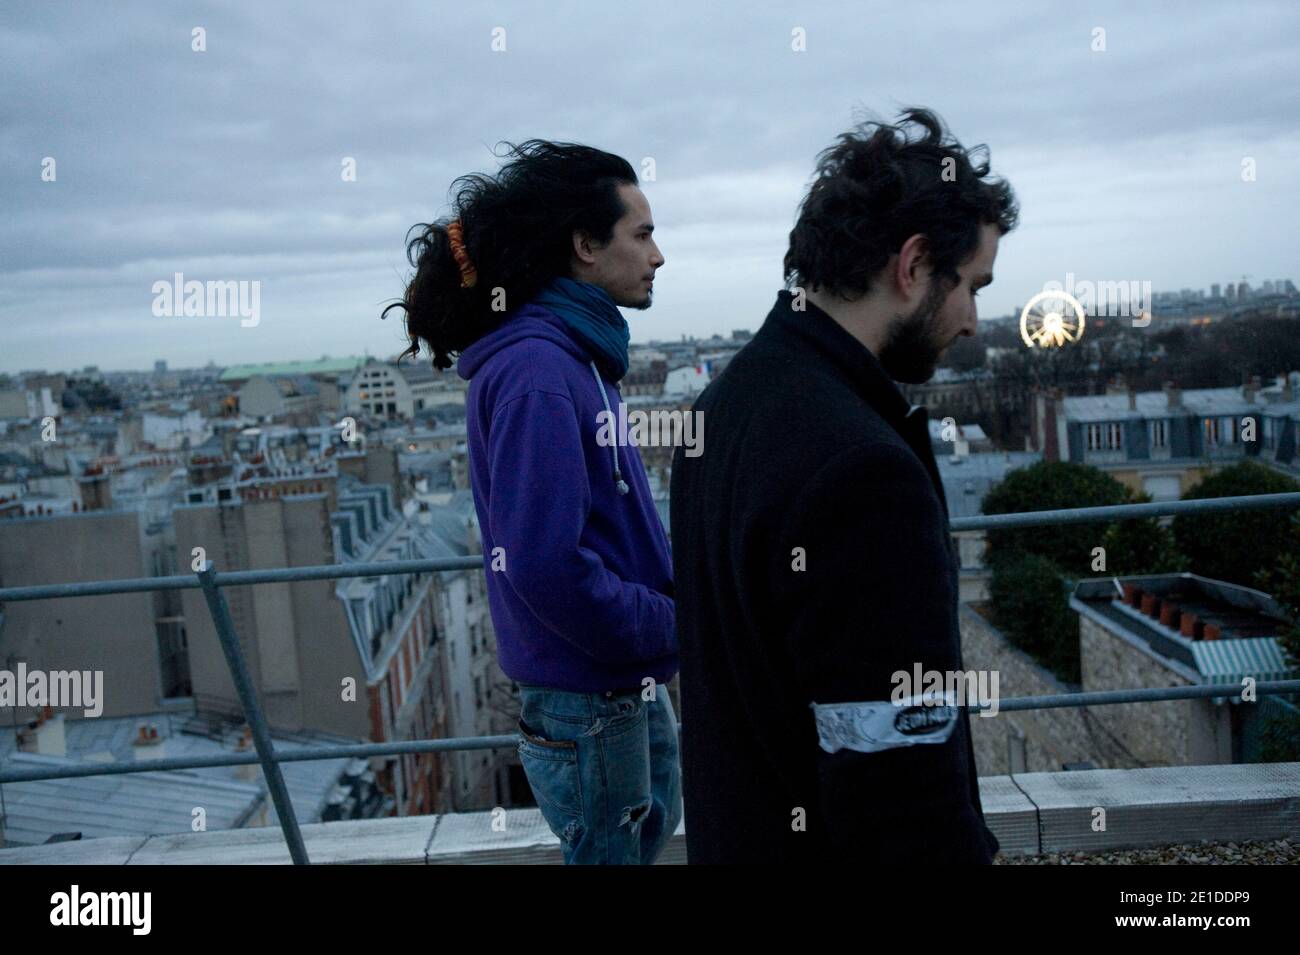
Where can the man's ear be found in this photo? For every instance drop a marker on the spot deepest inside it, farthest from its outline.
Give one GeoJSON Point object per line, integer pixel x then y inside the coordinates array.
{"type": "Point", "coordinates": [913, 267]}
{"type": "Point", "coordinates": [583, 247]}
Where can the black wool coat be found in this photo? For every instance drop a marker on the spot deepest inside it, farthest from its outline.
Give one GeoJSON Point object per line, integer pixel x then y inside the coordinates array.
{"type": "Point", "coordinates": [812, 561]}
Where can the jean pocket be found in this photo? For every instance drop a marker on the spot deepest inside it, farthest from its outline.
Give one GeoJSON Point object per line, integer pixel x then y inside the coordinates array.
{"type": "Point", "coordinates": [552, 770]}
{"type": "Point", "coordinates": [624, 712]}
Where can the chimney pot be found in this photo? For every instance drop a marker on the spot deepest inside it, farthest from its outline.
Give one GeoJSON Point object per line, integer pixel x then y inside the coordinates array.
{"type": "Point", "coordinates": [1150, 603]}
{"type": "Point", "coordinates": [1212, 631]}
{"type": "Point", "coordinates": [1189, 625]}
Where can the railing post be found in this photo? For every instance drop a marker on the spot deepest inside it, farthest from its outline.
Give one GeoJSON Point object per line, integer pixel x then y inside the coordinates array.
{"type": "Point", "coordinates": [220, 611]}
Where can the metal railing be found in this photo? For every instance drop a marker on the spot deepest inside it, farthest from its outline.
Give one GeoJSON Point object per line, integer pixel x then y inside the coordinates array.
{"type": "Point", "coordinates": [211, 582]}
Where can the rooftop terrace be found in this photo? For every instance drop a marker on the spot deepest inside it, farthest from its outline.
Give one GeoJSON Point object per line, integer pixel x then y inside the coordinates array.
{"type": "Point", "coordinates": [1031, 813]}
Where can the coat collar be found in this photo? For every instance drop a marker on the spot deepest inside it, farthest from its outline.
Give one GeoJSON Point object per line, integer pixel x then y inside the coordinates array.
{"type": "Point", "coordinates": [854, 362]}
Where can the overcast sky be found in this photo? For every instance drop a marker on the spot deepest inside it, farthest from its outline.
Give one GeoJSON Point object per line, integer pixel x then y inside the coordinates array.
{"type": "Point", "coordinates": [226, 164]}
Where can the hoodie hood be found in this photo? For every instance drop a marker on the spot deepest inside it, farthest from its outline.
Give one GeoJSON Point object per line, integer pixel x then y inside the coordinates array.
{"type": "Point", "coordinates": [530, 321]}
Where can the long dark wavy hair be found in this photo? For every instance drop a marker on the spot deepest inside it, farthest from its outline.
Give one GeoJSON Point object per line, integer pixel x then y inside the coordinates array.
{"type": "Point", "coordinates": [877, 187]}
{"type": "Point", "coordinates": [518, 231]}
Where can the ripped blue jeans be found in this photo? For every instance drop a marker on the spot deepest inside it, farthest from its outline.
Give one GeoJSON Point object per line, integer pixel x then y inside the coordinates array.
{"type": "Point", "coordinates": [605, 771]}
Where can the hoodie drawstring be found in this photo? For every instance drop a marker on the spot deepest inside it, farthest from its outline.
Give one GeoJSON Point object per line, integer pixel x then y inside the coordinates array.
{"type": "Point", "coordinates": [618, 475]}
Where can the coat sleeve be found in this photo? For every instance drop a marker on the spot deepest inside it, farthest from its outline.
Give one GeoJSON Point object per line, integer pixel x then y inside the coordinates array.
{"type": "Point", "coordinates": [874, 598]}
{"type": "Point", "coordinates": [540, 501]}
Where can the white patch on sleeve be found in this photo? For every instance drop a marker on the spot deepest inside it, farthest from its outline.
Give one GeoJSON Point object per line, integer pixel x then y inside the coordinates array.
{"type": "Point", "coordinates": [882, 725]}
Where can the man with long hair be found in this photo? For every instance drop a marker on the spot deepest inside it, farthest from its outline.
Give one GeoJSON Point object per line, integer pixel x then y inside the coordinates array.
{"type": "Point", "coordinates": [524, 284]}
{"type": "Point", "coordinates": [811, 547]}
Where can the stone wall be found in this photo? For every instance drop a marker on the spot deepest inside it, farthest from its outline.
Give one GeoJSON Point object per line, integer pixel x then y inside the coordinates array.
{"type": "Point", "coordinates": [1034, 740]}
{"type": "Point", "coordinates": [1164, 733]}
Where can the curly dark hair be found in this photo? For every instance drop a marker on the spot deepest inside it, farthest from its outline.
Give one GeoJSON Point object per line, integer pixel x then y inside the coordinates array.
{"type": "Point", "coordinates": [518, 230]}
{"type": "Point", "coordinates": [875, 188]}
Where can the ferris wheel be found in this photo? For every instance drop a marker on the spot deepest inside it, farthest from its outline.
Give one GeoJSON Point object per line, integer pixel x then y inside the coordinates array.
{"type": "Point", "coordinates": [1050, 319]}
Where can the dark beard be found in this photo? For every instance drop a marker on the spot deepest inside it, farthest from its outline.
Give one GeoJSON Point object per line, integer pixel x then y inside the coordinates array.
{"type": "Point", "coordinates": [910, 352]}
{"type": "Point", "coordinates": [640, 305]}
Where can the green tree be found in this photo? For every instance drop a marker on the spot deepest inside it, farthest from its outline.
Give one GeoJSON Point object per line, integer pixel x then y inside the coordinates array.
{"type": "Point", "coordinates": [1049, 486]}
{"type": "Point", "coordinates": [1141, 546]}
{"type": "Point", "coordinates": [1030, 605]}
{"type": "Point", "coordinates": [1282, 733]}
{"type": "Point", "coordinates": [1283, 582]}
{"type": "Point", "coordinates": [1235, 545]}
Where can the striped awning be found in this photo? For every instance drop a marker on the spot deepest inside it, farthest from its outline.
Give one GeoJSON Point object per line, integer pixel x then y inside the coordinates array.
{"type": "Point", "coordinates": [1228, 661]}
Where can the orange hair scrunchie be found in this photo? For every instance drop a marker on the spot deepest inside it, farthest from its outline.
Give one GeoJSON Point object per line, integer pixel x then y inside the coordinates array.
{"type": "Point", "coordinates": [456, 235]}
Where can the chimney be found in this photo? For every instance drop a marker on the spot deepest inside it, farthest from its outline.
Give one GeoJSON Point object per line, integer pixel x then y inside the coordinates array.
{"type": "Point", "coordinates": [147, 743]}
{"type": "Point", "coordinates": [48, 735]}
{"type": "Point", "coordinates": [1173, 394]}
{"type": "Point", "coordinates": [252, 770]}
{"type": "Point", "coordinates": [1150, 605]}
{"type": "Point", "coordinates": [1132, 595]}
{"type": "Point", "coordinates": [1191, 627]}
{"type": "Point", "coordinates": [1212, 631]}
{"type": "Point", "coordinates": [96, 489]}
{"type": "Point", "coordinates": [1169, 614]}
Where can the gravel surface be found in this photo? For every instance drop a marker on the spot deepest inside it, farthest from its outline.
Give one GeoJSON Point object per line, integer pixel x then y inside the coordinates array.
{"type": "Point", "coordinates": [1279, 852]}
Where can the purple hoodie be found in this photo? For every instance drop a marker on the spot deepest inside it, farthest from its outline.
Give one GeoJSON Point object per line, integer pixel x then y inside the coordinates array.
{"type": "Point", "coordinates": [582, 595]}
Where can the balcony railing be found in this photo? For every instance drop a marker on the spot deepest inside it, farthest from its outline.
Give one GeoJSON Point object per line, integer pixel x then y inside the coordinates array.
{"type": "Point", "coordinates": [211, 582]}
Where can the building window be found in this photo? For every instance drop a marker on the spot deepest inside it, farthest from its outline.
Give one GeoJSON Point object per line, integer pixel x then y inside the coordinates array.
{"type": "Point", "coordinates": [1220, 431]}
{"type": "Point", "coordinates": [1107, 437]}
{"type": "Point", "coordinates": [1159, 433]}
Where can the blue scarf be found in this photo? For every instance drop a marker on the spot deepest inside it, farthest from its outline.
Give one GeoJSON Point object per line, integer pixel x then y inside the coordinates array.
{"type": "Point", "coordinates": [593, 318]}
